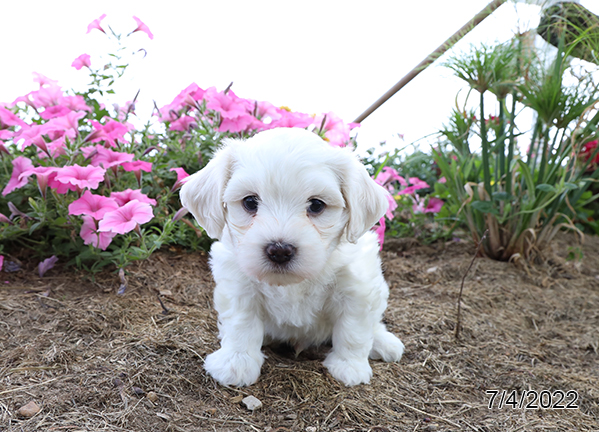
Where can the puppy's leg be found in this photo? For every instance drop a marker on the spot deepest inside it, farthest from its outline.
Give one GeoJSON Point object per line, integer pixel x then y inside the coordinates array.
{"type": "Point", "coordinates": [386, 346]}
{"type": "Point", "coordinates": [352, 342]}
{"type": "Point", "coordinates": [238, 361]}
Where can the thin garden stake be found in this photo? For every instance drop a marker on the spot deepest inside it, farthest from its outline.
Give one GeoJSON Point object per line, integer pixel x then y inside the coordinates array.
{"type": "Point", "coordinates": [476, 20]}
{"type": "Point", "coordinates": [458, 319]}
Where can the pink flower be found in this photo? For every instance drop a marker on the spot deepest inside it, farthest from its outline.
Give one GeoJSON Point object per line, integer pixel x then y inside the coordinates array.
{"type": "Point", "coordinates": [142, 27]}
{"type": "Point", "coordinates": [81, 177]}
{"type": "Point", "coordinates": [20, 164]}
{"type": "Point", "coordinates": [8, 119]}
{"type": "Point", "coordinates": [292, 119]}
{"type": "Point", "coordinates": [4, 219]}
{"type": "Point", "coordinates": [434, 205]}
{"type": "Point", "coordinates": [129, 195]}
{"type": "Point", "coordinates": [92, 205]}
{"type": "Point", "coordinates": [43, 80]}
{"type": "Point", "coordinates": [233, 110]}
{"type": "Point", "coordinates": [95, 24]}
{"type": "Point", "coordinates": [380, 232]}
{"type": "Point", "coordinates": [181, 176]}
{"type": "Point", "coordinates": [82, 60]}
{"type": "Point", "coordinates": [54, 111]}
{"type": "Point", "coordinates": [108, 158]}
{"type": "Point", "coordinates": [57, 186]}
{"type": "Point", "coordinates": [1, 262]}
{"type": "Point", "coordinates": [90, 235]}
{"type": "Point", "coordinates": [126, 218]}
{"type": "Point", "coordinates": [415, 184]}
{"type": "Point", "coordinates": [336, 132]}
{"type": "Point", "coordinates": [187, 98]}
{"type": "Point", "coordinates": [110, 133]}
{"type": "Point", "coordinates": [42, 174]}
{"type": "Point", "coordinates": [137, 166]}
{"type": "Point", "coordinates": [391, 208]}
{"type": "Point", "coordinates": [183, 123]}
{"type": "Point", "coordinates": [387, 176]}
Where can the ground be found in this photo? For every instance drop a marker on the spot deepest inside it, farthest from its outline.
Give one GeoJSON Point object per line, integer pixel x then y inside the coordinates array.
{"type": "Point", "coordinates": [95, 360]}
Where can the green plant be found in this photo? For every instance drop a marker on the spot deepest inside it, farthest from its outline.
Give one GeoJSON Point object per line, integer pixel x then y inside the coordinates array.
{"type": "Point", "coordinates": [523, 200]}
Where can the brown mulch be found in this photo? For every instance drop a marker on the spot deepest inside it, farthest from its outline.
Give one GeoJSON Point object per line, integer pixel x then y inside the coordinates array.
{"type": "Point", "coordinates": [93, 360]}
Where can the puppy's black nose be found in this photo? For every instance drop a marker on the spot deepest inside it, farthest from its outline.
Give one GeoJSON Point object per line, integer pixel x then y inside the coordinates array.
{"type": "Point", "coordinates": [279, 252]}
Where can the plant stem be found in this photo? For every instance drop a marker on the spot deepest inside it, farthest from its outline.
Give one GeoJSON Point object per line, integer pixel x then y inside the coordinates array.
{"type": "Point", "coordinates": [485, 146]}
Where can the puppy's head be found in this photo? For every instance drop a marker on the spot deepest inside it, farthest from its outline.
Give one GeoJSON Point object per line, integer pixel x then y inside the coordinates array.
{"type": "Point", "coordinates": [284, 199]}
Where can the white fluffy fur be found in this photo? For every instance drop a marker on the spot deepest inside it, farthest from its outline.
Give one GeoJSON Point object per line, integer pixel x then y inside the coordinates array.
{"type": "Point", "coordinates": [332, 289]}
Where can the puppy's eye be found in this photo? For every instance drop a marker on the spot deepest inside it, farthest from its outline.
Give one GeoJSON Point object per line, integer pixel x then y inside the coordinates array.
{"type": "Point", "coordinates": [250, 204]}
{"type": "Point", "coordinates": [316, 206]}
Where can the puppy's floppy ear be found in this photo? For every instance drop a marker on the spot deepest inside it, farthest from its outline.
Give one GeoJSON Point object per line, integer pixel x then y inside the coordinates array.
{"type": "Point", "coordinates": [366, 201]}
{"type": "Point", "coordinates": [202, 193]}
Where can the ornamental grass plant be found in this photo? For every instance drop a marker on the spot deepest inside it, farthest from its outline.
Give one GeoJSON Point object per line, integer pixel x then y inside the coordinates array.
{"type": "Point", "coordinates": [523, 197]}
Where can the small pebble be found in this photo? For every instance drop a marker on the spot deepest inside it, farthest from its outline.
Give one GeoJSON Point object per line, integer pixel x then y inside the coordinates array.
{"type": "Point", "coordinates": [152, 397]}
{"type": "Point", "coordinates": [311, 429]}
{"type": "Point", "coordinates": [138, 391]}
{"type": "Point", "coordinates": [252, 403]}
{"type": "Point", "coordinates": [29, 410]}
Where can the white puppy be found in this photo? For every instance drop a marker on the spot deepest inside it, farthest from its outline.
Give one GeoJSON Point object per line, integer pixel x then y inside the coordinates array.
{"type": "Point", "coordinates": [296, 260]}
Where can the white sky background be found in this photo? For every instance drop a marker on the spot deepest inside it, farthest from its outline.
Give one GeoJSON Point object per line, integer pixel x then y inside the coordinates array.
{"type": "Point", "coordinates": [313, 56]}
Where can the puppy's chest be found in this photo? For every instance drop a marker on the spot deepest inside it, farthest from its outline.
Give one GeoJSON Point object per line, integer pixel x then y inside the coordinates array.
{"type": "Point", "coordinates": [295, 307]}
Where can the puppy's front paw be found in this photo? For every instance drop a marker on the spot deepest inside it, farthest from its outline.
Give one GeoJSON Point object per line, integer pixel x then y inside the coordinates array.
{"type": "Point", "coordinates": [349, 372]}
{"type": "Point", "coordinates": [234, 368]}
{"type": "Point", "coordinates": [386, 347]}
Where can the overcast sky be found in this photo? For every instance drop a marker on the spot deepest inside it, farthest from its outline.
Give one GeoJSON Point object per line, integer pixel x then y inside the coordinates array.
{"type": "Point", "coordinates": [313, 56]}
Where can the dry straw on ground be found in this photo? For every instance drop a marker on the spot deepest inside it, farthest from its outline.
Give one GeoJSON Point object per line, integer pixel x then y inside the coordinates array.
{"type": "Point", "coordinates": [96, 361]}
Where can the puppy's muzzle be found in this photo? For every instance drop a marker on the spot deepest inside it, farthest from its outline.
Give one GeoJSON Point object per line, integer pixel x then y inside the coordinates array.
{"type": "Point", "coordinates": [279, 252]}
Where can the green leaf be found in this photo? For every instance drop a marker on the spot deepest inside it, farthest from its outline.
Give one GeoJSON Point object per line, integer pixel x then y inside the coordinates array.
{"type": "Point", "coordinates": [484, 207]}
{"type": "Point", "coordinates": [570, 186]}
{"type": "Point", "coordinates": [530, 184]}
{"type": "Point", "coordinates": [502, 196]}
{"type": "Point", "coordinates": [546, 188]}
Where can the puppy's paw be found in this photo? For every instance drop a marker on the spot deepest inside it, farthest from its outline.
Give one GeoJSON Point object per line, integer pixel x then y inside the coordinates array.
{"type": "Point", "coordinates": [349, 372]}
{"type": "Point", "coordinates": [386, 347]}
{"type": "Point", "coordinates": [234, 368]}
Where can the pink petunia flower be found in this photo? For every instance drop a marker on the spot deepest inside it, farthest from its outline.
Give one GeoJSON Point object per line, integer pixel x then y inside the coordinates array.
{"type": "Point", "coordinates": [142, 27]}
{"type": "Point", "coordinates": [126, 218]}
{"type": "Point", "coordinates": [233, 110]}
{"type": "Point", "coordinates": [380, 232]}
{"type": "Point", "coordinates": [387, 176]}
{"type": "Point", "coordinates": [90, 235]}
{"type": "Point", "coordinates": [81, 177]}
{"type": "Point", "coordinates": [43, 80]}
{"type": "Point", "coordinates": [110, 133]}
{"type": "Point", "coordinates": [181, 176]}
{"type": "Point", "coordinates": [92, 205]}
{"type": "Point", "coordinates": [137, 167]}
{"type": "Point", "coordinates": [129, 195]}
{"type": "Point", "coordinates": [82, 60]}
{"type": "Point", "coordinates": [20, 164]}
{"type": "Point", "coordinates": [187, 98]}
{"type": "Point", "coordinates": [415, 184]}
{"type": "Point", "coordinates": [95, 24]}
{"type": "Point", "coordinates": [42, 174]}
{"type": "Point", "coordinates": [108, 158]}
{"type": "Point", "coordinates": [183, 123]}
{"type": "Point", "coordinates": [54, 111]}
{"type": "Point", "coordinates": [1, 262]}
{"type": "Point", "coordinates": [8, 119]}
{"type": "Point", "coordinates": [336, 131]}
